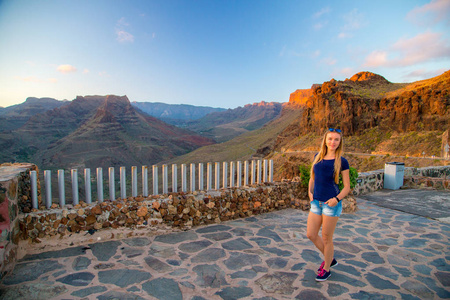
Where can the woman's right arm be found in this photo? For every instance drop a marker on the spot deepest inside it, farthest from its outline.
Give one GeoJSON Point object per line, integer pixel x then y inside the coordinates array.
{"type": "Point", "coordinates": [311, 189]}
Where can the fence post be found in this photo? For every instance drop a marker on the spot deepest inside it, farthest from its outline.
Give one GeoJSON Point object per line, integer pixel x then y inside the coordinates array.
{"type": "Point", "coordinates": [87, 185]}
{"type": "Point", "coordinates": [183, 178]}
{"type": "Point", "coordinates": [99, 185]}
{"type": "Point", "coordinates": [232, 171]}
{"type": "Point", "coordinates": [75, 200]}
{"type": "Point", "coordinates": [123, 183]}
{"type": "Point", "coordinates": [165, 179]}
{"type": "Point", "coordinates": [155, 179]}
{"type": "Point", "coordinates": [200, 176]}
{"type": "Point", "coordinates": [61, 188]}
{"type": "Point", "coordinates": [265, 171]}
{"type": "Point", "coordinates": [192, 177]}
{"type": "Point", "coordinates": [208, 176]}
{"type": "Point", "coordinates": [145, 181]}
{"type": "Point", "coordinates": [271, 170]}
{"type": "Point", "coordinates": [253, 171]}
{"type": "Point", "coordinates": [258, 177]}
{"type": "Point", "coordinates": [134, 181]}
{"type": "Point", "coordinates": [225, 173]}
{"type": "Point", "coordinates": [34, 198]}
{"type": "Point", "coordinates": [48, 188]}
{"type": "Point", "coordinates": [239, 174]}
{"type": "Point", "coordinates": [246, 173]}
{"type": "Point", "coordinates": [217, 178]}
{"type": "Point", "coordinates": [174, 178]}
{"type": "Point", "coordinates": [112, 188]}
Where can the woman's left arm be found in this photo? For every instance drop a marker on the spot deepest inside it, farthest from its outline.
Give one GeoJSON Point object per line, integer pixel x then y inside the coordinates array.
{"type": "Point", "coordinates": [346, 181]}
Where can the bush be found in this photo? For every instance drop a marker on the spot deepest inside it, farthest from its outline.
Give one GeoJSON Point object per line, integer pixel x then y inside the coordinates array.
{"type": "Point", "coordinates": [305, 175]}
{"type": "Point", "coordinates": [353, 176]}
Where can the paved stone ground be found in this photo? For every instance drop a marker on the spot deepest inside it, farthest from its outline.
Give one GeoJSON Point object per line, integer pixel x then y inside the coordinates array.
{"type": "Point", "coordinates": [382, 254]}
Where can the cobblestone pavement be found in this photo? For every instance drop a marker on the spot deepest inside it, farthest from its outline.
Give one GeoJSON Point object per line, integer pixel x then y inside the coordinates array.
{"type": "Point", "coordinates": [382, 254]}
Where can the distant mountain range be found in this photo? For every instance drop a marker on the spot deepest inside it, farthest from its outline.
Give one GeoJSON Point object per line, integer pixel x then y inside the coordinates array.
{"type": "Point", "coordinates": [109, 131]}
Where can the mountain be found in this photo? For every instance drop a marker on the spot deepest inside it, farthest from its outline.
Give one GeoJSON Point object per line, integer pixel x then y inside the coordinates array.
{"type": "Point", "coordinates": [175, 114]}
{"type": "Point", "coordinates": [13, 117]}
{"type": "Point", "coordinates": [225, 125]}
{"type": "Point", "coordinates": [99, 131]}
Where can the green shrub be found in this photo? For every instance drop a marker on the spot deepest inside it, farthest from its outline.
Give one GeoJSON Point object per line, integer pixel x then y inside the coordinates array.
{"type": "Point", "coordinates": [353, 177]}
{"type": "Point", "coordinates": [304, 175]}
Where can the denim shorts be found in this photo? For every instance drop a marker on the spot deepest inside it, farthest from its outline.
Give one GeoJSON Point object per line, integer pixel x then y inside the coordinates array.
{"type": "Point", "coordinates": [319, 208]}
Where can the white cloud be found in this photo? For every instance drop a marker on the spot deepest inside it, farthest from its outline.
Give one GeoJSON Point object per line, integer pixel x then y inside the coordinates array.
{"type": "Point", "coordinates": [329, 61]}
{"type": "Point", "coordinates": [323, 11]}
{"type": "Point", "coordinates": [353, 21]}
{"type": "Point", "coordinates": [430, 13]}
{"type": "Point", "coordinates": [66, 69]}
{"type": "Point", "coordinates": [122, 35]}
{"type": "Point", "coordinates": [422, 48]}
{"type": "Point", "coordinates": [85, 71]}
{"type": "Point", "coordinates": [421, 73]}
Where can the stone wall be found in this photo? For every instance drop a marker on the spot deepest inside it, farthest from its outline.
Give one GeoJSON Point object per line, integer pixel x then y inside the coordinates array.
{"type": "Point", "coordinates": [14, 192]}
{"type": "Point", "coordinates": [437, 178]}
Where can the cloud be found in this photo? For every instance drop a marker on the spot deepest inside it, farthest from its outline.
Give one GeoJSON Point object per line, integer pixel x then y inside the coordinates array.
{"type": "Point", "coordinates": [317, 15]}
{"type": "Point", "coordinates": [66, 69]}
{"type": "Point", "coordinates": [430, 13]}
{"type": "Point", "coordinates": [422, 48]}
{"type": "Point", "coordinates": [353, 21]}
{"type": "Point", "coordinates": [421, 73]}
{"type": "Point", "coordinates": [122, 35]}
{"type": "Point", "coordinates": [345, 72]}
{"type": "Point", "coordinates": [85, 71]}
{"type": "Point", "coordinates": [329, 61]}
{"type": "Point", "coordinates": [34, 79]}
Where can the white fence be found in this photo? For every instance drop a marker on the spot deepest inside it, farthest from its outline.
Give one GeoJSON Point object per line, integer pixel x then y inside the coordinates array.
{"type": "Point", "coordinates": [234, 174]}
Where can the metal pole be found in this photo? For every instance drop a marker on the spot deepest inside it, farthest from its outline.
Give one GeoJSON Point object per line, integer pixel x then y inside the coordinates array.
{"type": "Point", "coordinates": [134, 181]}
{"type": "Point", "coordinates": [155, 179]}
{"type": "Point", "coordinates": [99, 185]}
{"type": "Point", "coordinates": [217, 178]}
{"type": "Point", "coordinates": [112, 188]}
{"type": "Point", "coordinates": [34, 198]}
{"type": "Point", "coordinates": [74, 173]}
{"type": "Point", "coordinates": [48, 188]}
{"type": "Point", "coordinates": [174, 178]}
{"type": "Point", "coordinates": [61, 189]}
{"type": "Point", "coordinates": [165, 179]}
{"type": "Point", "coordinates": [145, 181]}
{"type": "Point", "coordinates": [87, 185]}
{"type": "Point", "coordinates": [183, 178]}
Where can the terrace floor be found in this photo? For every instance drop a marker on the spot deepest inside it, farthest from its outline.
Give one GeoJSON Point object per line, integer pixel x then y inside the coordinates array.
{"type": "Point", "coordinates": [385, 251]}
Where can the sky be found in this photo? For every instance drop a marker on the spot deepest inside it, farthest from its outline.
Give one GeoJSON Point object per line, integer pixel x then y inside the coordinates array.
{"type": "Point", "coordinates": [219, 53]}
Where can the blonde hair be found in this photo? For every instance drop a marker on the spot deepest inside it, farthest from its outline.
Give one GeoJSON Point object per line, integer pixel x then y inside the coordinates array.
{"type": "Point", "coordinates": [323, 152]}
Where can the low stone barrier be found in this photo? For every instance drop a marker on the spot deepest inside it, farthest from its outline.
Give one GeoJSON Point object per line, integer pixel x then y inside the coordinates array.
{"type": "Point", "coordinates": [436, 178]}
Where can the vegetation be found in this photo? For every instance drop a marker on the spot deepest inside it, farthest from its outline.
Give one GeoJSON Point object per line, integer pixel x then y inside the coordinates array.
{"type": "Point", "coordinates": [305, 175]}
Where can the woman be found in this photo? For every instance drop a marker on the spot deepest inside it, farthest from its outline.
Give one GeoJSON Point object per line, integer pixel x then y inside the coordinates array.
{"type": "Point", "coordinates": [325, 197]}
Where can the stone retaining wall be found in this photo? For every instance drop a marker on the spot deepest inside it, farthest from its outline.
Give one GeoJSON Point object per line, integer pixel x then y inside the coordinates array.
{"type": "Point", "coordinates": [14, 191]}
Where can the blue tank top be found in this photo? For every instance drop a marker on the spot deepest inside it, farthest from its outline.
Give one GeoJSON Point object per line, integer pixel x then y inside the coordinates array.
{"type": "Point", "coordinates": [324, 185]}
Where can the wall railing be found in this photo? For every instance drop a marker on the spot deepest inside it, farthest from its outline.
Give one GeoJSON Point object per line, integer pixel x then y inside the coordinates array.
{"type": "Point", "coordinates": [233, 174]}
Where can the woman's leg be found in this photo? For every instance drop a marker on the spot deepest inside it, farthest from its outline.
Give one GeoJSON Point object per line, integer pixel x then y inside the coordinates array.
{"type": "Point", "coordinates": [328, 226]}
{"type": "Point", "coordinates": [312, 230]}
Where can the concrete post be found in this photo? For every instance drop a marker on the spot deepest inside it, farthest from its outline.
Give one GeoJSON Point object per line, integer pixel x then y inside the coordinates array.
{"type": "Point", "coordinates": [99, 185]}
{"type": "Point", "coordinates": [87, 185]}
{"type": "Point", "coordinates": [225, 175]}
{"type": "Point", "coordinates": [265, 166]}
{"type": "Point", "coordinates": [232, 172]}
{"type": "Point", "coordinates": [258, 177]}
{"type": "Point", "coordinates": [246, 173]}
{"type": "Point", "coordinates": [61, 188]}
{"type": "Point", "coordinates": [217, 176]}
{"type": "Point", "coordinates": [75, 199]}
{"type": "Point", "coordinates": [192, 177]}
{"type": "Point", "coordinates": [34, 197]}
{"type": "Point", "coordinates": [253, 171]}
{"type": "Point", "coordinates": [155, 180]}
{"type": "Point", "coordinates": [165, 179]}
{"type": "Point", "coordinates": [200, 177]}
{"type": "Point", "coordinates": [112, 188]}
{"type": "Point", "coordinates": [271, 170]}
{"type": "Point", "coordinates": [123, 183]}
{"type": "Point", "coordinates": [145, 181]}
{"type": "Point", "coordinates": [134, 180]}
{"type": "Point", "coordinates": [183, 178]}
{"type": "Point", "coordinates": [174, 179]}
{"type": "Point", "coordinates": [208, 176]}
{"type": "Point", "coordinates": [48, 188]}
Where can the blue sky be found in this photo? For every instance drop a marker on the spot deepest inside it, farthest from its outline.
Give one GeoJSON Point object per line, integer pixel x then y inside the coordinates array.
{"type": "Point", "coordinates": [213, 53]}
